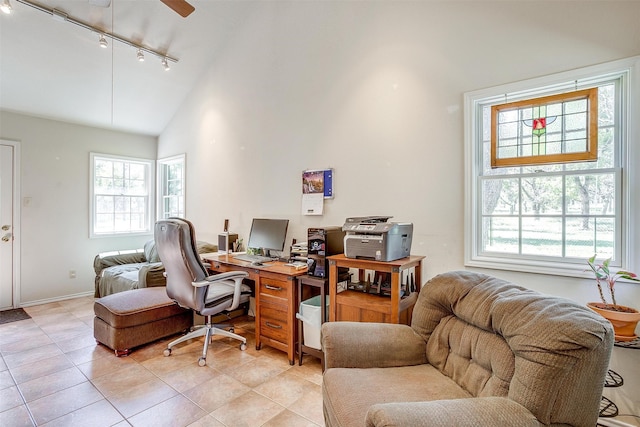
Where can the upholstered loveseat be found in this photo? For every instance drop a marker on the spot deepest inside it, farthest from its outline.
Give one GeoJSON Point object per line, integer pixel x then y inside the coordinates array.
{"type": "Point", "coordinates": [479, 352]}
{"type": "Point", "coordinates": [118, 272]}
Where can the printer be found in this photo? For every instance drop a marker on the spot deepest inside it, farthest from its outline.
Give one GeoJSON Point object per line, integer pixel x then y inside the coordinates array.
{"type": "Point", "coordinates": [373, 237]}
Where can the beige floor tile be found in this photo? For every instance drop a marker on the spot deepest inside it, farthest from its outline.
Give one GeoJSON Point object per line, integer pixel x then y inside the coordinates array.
{"type": "Point", "coordinates": [33, 355]}
{"type": "Point", "coordinates": [87, 354]}
{"type": "Point", "coordinates": [63, 402]}
{"type": "Point", "coordinates": [33, 339]}
{"type": "Point", "coordinates": [235, 413]}
{"type": "Point", "coordinates": [49, 384]}
{"type": "Point", "coordinates": [41, 368]}
{"type": "Point", "coordinates": [10, 398]}
{"type": "Point", "coordinates": [98, 414]}
{"type": "Point", "coordinates": [77, 342]}
{"type": "Point", "coordinates": [177, 411]}
{"type": "Point", "coordinates": [100, 366]}
{"type": "Point", "coordinates": [3, 366]}
{"type": "Point", "coordinates": [285, 388]}
{"type": "Point", "coordinates": [309, 405]}
{"type": "Point", "coordinates": [206, 421]}
{"type": "Point", "coordinates": [258, 371]}
{"type": "Point", "coordinates": [188, 377]}
{"type": "Point", "coordinates": [23, 330]}
{"type": "Point", "coordinates": [16, 417]}
{"type": "Point", "coordinates": [127, 378]}
{"type": "Point", "coordinates": [6, 380]}
{"type": "Point", "coordinates": [212, 394]}
{"type": "Point", "coordinates": [143, 396]}
{"type": "Point", "coordinates": [287, 418]}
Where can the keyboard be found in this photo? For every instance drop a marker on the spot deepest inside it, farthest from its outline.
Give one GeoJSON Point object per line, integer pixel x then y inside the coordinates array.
{"type": "Point", "coordinates": [253, 258]}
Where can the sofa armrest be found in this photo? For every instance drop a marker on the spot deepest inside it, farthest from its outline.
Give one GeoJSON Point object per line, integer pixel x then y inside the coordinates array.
{"type": "Point", "coordinates": [102, 261]}
{"type": "Point", "coordinates": [370, 345]}
{"type": "Point", "coordinates": [151, 275]}
{"type": "Point", "coordinates": [473, 412]}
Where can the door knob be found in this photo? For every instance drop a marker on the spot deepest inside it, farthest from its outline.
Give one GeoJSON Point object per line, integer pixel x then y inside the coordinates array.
{"type": "Point", "coordinates": [6, 227]}
{"type": "Point", "coordinates": [6, 237]}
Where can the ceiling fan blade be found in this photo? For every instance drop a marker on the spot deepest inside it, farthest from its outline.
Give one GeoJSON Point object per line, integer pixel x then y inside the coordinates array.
{"type": "Point", "coordinates": [183, 8]}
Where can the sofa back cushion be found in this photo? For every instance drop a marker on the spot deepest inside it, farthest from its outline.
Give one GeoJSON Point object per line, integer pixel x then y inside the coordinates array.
{"type": "Point", "coordinates": [150, 252]}
{"type": "Point", "coordinates": [559, 350]}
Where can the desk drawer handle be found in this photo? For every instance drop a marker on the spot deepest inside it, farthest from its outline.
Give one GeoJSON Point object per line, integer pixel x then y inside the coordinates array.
{"type": "Point", "coordinates": [271, 325]}
{"type": "Point", "coordinates": [273, 288]}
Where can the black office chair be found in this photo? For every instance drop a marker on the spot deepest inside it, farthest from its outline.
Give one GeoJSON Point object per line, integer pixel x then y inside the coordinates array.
{"type": "Point", "coordinates": [189, 284]}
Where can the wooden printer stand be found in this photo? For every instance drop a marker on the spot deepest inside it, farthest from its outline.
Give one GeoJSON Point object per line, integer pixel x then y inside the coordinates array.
{"type": "Point", "coordinates": [356, 306]}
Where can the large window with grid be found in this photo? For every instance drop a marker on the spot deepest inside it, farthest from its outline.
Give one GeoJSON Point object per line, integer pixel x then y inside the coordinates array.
{"type": "Point", "coordinates": [547, 217]}
{"type": "Point", "coordinates": [121, 195]}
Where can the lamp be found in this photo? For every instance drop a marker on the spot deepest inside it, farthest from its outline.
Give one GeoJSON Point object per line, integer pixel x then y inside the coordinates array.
{"type": "Point", "coordinates": [6, 7]}
{"type": "Point", "coordinates": [57, 14]}
{"type": "Point", "coordinates": [103, 42]}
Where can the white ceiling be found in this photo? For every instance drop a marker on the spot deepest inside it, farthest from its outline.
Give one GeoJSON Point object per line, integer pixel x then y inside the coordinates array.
{"type": "Point", "coordinates": [55, 69]}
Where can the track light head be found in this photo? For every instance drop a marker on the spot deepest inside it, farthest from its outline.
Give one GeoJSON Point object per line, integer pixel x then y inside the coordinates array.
{"type": "Point", "coordinates": [5, 7]}
{"type": "Point", "coordinates": [103, 41]}
{"type": "Point", "coordinates": [165, 64]}
{"type": "Point", "coordinates": [140, 55]}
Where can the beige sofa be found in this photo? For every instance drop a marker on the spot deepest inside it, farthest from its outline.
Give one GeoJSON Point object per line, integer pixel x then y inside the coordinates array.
{"type": "Point", "coordinates": [479, 352]}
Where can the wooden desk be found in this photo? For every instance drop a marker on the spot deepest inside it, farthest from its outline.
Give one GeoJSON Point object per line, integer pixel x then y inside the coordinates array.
{"type": "Point", "coordinates": [275, 294]}
{"type": "Point", "coordinates": [358, 306]}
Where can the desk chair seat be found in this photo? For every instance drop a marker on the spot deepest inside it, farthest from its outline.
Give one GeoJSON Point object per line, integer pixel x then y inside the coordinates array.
{"type": "Point", "coordinates": [190, 285]}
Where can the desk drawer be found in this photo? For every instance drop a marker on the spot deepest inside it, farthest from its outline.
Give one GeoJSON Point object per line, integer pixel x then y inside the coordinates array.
{"type": "Point", "coordinates": [276, 288]}
{"type": "Point", "coordinates": [275, 329]}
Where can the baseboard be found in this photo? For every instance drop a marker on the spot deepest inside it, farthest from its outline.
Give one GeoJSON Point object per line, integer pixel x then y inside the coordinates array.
{"type": "Point", "coordinates": [56, 299]}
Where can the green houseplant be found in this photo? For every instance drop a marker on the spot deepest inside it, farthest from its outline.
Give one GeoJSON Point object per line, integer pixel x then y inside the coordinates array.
{"type": "Point", "coordinates": [624, 319]}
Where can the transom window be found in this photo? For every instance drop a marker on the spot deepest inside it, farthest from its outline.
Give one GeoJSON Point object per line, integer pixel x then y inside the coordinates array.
{"type": "Point", "coordinates": [121, 193]}
{"type": "Point", "coordinates": [547, 217]}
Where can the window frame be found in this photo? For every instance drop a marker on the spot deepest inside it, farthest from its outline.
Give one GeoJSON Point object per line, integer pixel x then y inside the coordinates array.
{"type": "Point", "coordinates": [150, 195]}
{"type": "Point", "coordinates": [161, 181]}
{"type": "Point", "coordinates": [628, 155]}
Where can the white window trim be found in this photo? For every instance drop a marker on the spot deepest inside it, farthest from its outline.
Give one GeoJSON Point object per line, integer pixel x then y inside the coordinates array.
{"type": "Point", "coordinates": [160, 183]}
{"type": "Point", "coordinates": [630, 163]}
{"type": "Point", "coordinates": [92, 201]}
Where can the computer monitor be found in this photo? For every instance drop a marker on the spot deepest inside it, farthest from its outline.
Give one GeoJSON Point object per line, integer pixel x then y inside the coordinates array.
{"type": "Point", "coordinates": [268, 234]}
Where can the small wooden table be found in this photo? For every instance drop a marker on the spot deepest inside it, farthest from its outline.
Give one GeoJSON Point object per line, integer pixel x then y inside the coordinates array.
{"type": "Point", "coordinates": [356, 306]}
{"type": "Point", "coordinates": [275, 294]}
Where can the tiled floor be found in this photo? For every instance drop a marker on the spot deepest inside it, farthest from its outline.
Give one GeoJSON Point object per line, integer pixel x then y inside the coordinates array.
{"type": "Point", "coordinates": [53, 373]}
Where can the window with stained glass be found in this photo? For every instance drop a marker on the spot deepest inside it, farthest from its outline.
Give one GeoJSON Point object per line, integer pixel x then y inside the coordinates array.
{"type": "Point", "coordinates": [552, 129]}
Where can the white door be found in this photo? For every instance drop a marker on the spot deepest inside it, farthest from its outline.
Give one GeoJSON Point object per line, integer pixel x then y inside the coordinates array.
{"type": "Point", "coordinates": [6, 227]}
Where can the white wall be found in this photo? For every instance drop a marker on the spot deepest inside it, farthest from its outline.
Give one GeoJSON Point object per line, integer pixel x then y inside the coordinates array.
{"type": "Point", "coordinates": [55, 174]}
{"type": "Point", "coordinates": [374, 90]}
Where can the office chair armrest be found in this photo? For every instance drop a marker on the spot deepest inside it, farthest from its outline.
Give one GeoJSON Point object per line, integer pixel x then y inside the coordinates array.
{"type": "Point", "coordinates": [222, 276]}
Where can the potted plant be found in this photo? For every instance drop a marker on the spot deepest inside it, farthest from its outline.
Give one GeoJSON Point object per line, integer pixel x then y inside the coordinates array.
{"type": "Point", "coordinates": [624, 319]}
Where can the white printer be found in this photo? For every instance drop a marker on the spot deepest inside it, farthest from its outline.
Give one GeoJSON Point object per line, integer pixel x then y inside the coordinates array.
{"type": "Point", "coordinates": [372, 237]}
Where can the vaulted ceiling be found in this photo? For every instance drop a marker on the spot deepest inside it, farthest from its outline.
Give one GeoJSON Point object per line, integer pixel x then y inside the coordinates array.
{"type": "Point", "coordinates": [52, 68]}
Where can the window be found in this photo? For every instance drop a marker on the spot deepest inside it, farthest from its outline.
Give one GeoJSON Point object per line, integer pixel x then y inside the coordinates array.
{"type": "Point", "coordinates": [121, 193]}
{"type": "Point", "coordinates": [549, 218]}
{"type": "Point", "coordinates": [171, 184]}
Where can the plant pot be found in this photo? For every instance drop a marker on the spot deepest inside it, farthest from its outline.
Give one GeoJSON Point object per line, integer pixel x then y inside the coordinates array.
{"type": "Point", "coordinates": [624, 322]}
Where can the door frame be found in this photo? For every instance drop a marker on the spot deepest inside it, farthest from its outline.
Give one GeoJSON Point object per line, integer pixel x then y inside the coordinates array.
{"type": "Point", "coordinates": [16, 219]}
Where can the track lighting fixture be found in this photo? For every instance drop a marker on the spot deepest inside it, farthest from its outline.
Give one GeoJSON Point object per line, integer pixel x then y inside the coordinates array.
{"type": "Point", "coordinates": [103, 42]}
{"type": "Point", "coordinates": [5, 7]}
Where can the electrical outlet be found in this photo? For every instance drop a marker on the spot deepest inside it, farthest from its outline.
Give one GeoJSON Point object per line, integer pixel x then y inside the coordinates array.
{"type": "Point", "coordinates": [72, 274]}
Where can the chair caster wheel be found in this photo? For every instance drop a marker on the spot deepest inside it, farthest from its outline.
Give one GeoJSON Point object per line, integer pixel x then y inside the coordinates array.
{"type": "Point", "coordinates": [202, 361]}
{"type": "Point", "coordinates": [243, 347]}
{"type": "Point", "coordinates": [167, 352]}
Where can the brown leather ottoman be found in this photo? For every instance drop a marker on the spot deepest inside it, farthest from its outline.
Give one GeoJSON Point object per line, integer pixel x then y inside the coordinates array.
{"type": "Point", "coordinates": [133, 318]}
